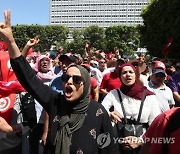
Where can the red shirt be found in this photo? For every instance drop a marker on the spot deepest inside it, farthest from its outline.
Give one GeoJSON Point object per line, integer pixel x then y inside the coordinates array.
{"type": "Point", "coordinates": [93, 84]}
{"type": "Point", "coordinates": [110, 81]}
{"type": "Point", "coordinates": [155, 133]}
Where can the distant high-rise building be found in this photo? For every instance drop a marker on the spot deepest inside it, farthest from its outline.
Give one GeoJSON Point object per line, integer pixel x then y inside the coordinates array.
{"type": "Point", "coordinates": [104, 13]}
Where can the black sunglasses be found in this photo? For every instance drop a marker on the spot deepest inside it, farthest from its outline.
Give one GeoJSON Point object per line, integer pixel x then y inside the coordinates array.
{"type": "Point", "coordinates": [76, 78]}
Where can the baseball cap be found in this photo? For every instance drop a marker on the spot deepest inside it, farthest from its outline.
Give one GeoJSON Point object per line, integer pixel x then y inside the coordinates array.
{"type": "Point", "coordinates": [159, 65]}
{"type": "Point", "coordinates": [155, 71]}
{"type": "Point", "coordinates": [69, 56]}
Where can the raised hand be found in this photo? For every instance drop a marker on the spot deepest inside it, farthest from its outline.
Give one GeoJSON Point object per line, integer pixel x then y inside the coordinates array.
{"type": "Point", "coordinates": [32, 42]}
{"type": "Point", "coordinates": [7, 35]}
{"type": "Point", "coordinates": [5, 28]}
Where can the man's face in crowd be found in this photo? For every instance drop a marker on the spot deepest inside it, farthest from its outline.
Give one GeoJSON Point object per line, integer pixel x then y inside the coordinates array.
{"type": "Point", "coordinates": [118, 64]}
{"type": "Point", "coordinates": [102, 64]}
{"type": "Point", "coordinates": [65, 63]}
{"type": "Point", "coordinates": [158, 79]}
{"type": "Point", "coordinates": [44, 65]}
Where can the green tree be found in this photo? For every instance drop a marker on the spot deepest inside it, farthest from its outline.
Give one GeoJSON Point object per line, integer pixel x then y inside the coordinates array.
{"type": "Point", "coordinates": [20, 35]}
{"type": "Point", "coordinates": [125, 38]}
{"type": "Point", "coordinates": [76, 45]}
{"type": "Point", "coordinates": [48, 35]}
{"type": "Point", "coordinates": [95, 36]}
{"type": "Point", "coordinates": [55, 34]}
{"type": "Point", "coordinates": [161, 21]}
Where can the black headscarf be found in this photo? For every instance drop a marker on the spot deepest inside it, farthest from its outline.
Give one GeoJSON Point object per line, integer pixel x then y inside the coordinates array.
{"type": "Point", "coordinates": [72, 116]}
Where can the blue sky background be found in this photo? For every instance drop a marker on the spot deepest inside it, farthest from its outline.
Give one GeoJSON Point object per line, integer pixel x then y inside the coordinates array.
{"type": "Point", "coordinates": [26, 12]}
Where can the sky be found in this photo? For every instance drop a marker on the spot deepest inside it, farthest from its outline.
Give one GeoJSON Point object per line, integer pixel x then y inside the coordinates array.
{"type": "Point", "coordinates": [26, 12]}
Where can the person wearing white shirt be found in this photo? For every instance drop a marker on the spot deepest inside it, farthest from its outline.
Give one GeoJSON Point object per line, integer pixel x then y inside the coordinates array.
{"type": "Point", "coordinates": [132, 94]}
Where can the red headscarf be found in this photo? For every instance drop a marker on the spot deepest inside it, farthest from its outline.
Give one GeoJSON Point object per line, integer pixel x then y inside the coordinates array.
{"type": "Point", "coordinates": [135, 90]}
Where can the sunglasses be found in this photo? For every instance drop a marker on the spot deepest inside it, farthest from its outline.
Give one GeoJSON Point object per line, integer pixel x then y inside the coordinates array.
{"type": "Point", "coordinates": [76, 78]}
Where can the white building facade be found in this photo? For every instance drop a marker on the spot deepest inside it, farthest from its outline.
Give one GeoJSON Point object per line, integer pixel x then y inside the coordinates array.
{"type": "Point", "coordinates": [104, 13]}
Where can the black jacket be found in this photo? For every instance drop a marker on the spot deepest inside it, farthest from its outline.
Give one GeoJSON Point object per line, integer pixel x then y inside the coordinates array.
{"type": "Point", "coordinates": [94, 137]}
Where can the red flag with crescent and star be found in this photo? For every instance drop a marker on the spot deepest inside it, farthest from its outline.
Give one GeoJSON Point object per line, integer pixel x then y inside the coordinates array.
{"type": "Point", "coordinates": [9, 87]}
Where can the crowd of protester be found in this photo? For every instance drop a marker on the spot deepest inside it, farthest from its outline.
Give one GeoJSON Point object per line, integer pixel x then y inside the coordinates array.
{"type": "Point", "coordinates": [76, 98]}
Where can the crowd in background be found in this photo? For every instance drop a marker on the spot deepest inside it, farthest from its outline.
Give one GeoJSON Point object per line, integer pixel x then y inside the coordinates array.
{"type": "Point", "coordinates": [108, 72]}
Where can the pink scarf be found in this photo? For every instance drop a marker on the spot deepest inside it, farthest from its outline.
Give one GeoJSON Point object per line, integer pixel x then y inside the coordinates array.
{"type": "Point", "coordinates": [44, 76]}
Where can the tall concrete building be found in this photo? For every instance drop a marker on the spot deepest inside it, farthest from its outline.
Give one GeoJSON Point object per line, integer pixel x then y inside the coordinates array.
{"type": "Point", "coordinates": [104, 13]}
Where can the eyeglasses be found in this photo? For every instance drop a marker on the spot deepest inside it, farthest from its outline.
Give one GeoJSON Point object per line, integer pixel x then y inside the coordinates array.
{"type": "Point", "coordinates": [76, 78]}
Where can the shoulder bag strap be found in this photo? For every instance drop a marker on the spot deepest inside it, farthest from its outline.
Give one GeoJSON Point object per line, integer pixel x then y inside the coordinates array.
{"type": "Point", "coordinates": [122, 106]}
{"type": "Point", "coordinates": [142, 102]}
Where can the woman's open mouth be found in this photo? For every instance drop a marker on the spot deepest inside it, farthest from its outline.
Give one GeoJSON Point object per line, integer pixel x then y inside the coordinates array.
{"type": "Point", "coordinates": [128, 79]}
{"type": "Point", "coordinates": [68, 92]}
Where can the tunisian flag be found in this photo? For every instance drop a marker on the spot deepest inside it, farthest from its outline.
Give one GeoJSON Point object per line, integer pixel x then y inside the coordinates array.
{"type": "Point", "coordinates": [9, 86]}
{"type": "Point", "coordinates": [7, 74]}
{"type": "Point", "coordinates": [166, 49]}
